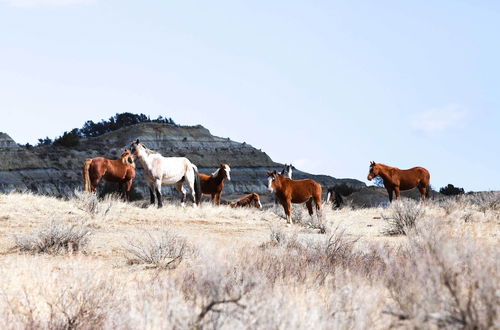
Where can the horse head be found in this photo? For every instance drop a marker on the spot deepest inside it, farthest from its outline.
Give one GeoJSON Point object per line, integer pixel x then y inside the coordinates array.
{"type": "Point", "coordinates": [136, 147]}
{"type": "Point", "coordinates": [272, 177]}
{"type": "Point", "coordinates": [256, 200]}
{"type": "Point", "coordinates": [226, 170]}
{"type": "Point", "coordinates": [374, 171]}
{"type": "Point", "coordinates": [127, 158]}
{"type": "Point", "coordinates": [287, 171]}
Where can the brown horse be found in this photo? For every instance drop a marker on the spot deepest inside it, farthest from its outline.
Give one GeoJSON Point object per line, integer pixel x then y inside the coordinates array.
{"type": "Point", "coordinates": [396, 180]}
{"type": "Point", "coordinates": [213, 184]}
{"type": "Point", "coordinates": [250, 200]}
{"type": "Point", "coordinates": [121, 171]}
{"type": "Point", "coordinates": [290, 191]}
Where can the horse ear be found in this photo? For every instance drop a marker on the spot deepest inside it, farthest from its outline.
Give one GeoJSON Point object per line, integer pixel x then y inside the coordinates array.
{"type": "Point", "coordinates": [269, 173]}
{"type": "Point", "coordinates": [137, 141]}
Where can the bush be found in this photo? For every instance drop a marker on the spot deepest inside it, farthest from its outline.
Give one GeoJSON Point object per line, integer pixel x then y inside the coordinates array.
{"type": "Point", "coordinates": [89, 202]}
{"type": "Point", "coordinates": [403, 216]}
{"type": "Point", "coordinates": [444, 282]}
{"type": "Point", "coordinates": [451, 190]}
{"type": "Point", "coordinates": [68, 139]}
{"type": "Point", "coordinates": [163, 250]}
{"type": "Point", "coordinates": [54, 238]}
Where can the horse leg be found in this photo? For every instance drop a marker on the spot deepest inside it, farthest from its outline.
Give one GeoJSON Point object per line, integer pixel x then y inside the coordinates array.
{"type": "Point", "coordinates": [396, 190]}
{"type": "Point", "coordinates": [158, 193]}
{"type": "Point", "coordinates": [217, 199]}
{"type": "Point", "coordinates": [182, 191]}
{"type": "Point", "coordinates": [423, 190]}
{"type": "Point", "coordinates": [213, 199]}
{"type": "Point", "coordinates": [389, 191]}
{"type": "Point", "coordinates": [151, 194]}
{"type": "Point", "coordinates": [128, 188]}
{"type": "Point", "coordinates": [287, 205]}
{"type": "Point", "coordinates": [309, 206]}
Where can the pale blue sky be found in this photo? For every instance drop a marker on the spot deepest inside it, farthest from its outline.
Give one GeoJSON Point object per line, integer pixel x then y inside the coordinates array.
{"type": "Point", "coordinates": [327, 85]}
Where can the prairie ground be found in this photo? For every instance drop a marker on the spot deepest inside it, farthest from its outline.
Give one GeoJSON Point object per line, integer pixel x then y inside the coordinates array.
{"type": "Point", "coordinates": [87, 263]}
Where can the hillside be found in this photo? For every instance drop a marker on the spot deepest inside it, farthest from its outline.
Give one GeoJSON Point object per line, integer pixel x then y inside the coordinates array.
{"type": "Point", "coordinates": [56, 170]}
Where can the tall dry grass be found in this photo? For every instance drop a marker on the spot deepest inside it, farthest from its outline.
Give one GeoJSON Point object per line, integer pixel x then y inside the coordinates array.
{"type": "Point", "coordinates": [251, 270]}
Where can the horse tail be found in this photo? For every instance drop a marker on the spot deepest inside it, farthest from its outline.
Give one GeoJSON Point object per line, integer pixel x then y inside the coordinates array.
{"type": "Point", "coordinates": [86, 176]}
{"type": "Point", "coordinates": [197, 185]}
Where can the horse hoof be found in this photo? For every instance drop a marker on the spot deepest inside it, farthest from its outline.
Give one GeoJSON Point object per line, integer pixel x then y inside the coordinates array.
{"type": "Point", "coordinates": [183, 204]}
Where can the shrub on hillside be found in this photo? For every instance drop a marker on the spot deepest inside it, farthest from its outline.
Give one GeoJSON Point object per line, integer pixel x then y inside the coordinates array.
{"type": "Point", "coordinates": [68, 139]}
{"type": "Point", "coordinates": [451, 190]}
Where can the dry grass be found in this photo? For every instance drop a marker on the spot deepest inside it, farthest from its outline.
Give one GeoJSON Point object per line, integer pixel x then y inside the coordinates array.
{"type": "Point", "coordinates": [54, 238]}
{"type": "Point", "coordinates": [250, 269]}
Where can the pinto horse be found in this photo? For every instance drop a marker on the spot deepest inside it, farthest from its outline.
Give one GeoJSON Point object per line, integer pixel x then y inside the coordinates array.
{"type": "Point", "coordinates": [287, 171]}
{"type": "Point", "coordinates": [249, 200]}
{"type": "Point", "coordinates": [334, 197]}
{"type": "Point", "coordinates": [396, 180]}
{"type": "Point", "coordinates": [121, 171]}
{"type": "Point", "coordinates": [213, 184]}
{"type": "Point", "coordinates": [161, 170]}
{"type": "Point", "coordinates": [290, 191]}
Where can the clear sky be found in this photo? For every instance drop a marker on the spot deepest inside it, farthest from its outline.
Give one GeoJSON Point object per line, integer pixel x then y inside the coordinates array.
{"type": "Point", "coordinates": [326, 85]}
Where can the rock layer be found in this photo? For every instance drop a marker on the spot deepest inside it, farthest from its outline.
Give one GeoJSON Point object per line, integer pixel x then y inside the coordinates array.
{"type": "Point", "coordinates": [56, 170]}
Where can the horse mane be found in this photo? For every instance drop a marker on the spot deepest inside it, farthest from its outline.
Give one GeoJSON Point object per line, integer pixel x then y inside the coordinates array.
{"type": "Point", "coordinates": [149, 151]}
{"type": "Point", "coordinates": [214, 175]}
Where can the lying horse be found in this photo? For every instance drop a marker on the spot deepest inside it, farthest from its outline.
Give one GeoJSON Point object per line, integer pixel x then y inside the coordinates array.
{"type": "Point", "coordinates": [290, 191]}
{"type": "Point", "coordinates": [249, 200]}
{"type": "Point", "coordinates": [121, 171]}
{"type": "Point", "coordinates": [213, 184]}
{"type": "Point", "coordinates": [161, 170]}
{"type": "Point", "coordinates": [334, 197]}
{"type": "Point", "coordinates": [396, 180]}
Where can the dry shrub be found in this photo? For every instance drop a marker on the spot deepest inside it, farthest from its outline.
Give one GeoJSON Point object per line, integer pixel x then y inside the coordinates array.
{"type": "Point", "coordinates": [403, 216]}
{"type": "Point", "coordinates": [56, 237]}
{"type": "Point", "coordinates": [65, 298]}
{"type": "Point", "coordinates": [485, 201]}
{"type": "Point", "coordinates": [285, 257]}
{"type": "Point", "coordinates": [162, 250]}
{"type": "Point", "coordinates": [445, 282]}
{"type": "Point", "coordinates": [89, 202]}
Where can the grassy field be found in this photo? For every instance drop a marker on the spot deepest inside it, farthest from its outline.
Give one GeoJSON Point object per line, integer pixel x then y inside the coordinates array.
{"type": "Point", "coordinates": [89, 264]}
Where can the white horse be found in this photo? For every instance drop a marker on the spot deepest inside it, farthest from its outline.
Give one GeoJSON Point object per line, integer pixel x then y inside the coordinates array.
{"type": "Point", "coordinates": [167, 170]}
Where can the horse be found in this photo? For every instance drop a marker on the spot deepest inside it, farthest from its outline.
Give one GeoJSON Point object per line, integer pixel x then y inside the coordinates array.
{"type": "Point", "coordinates": [249, 200]}
{"type": "Point", "coordinates": [120, 170]}
{"type": "Point", "coordinates": [161, 170]}
{"type": "Point", "coordinates": [287, 171]}
{"type": "Point", "coordinates": [213, 184]}
{"type": "Point", "coordinates": [396, 180]}
{"type": "Point", "coordinates": [334, 197]}
{"type": "Point", "coordinates": [291, 191]}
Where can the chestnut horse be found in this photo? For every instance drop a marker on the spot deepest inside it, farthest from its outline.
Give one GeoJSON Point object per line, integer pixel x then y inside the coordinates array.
{"type": "Point", "coordinates": [213, 184]}
{"type": "Point", "coordinates": [249, 200]}
{"type": "Point", "coordinates": [121, 171]}
{"type": "Point", "coordinates": [291, 191]}
{"type": "Point", "coordinates": [396, 180]}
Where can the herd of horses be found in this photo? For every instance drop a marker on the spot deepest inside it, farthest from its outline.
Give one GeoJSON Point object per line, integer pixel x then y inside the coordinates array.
{"type": "Point", "coordinates": [179, 171]}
